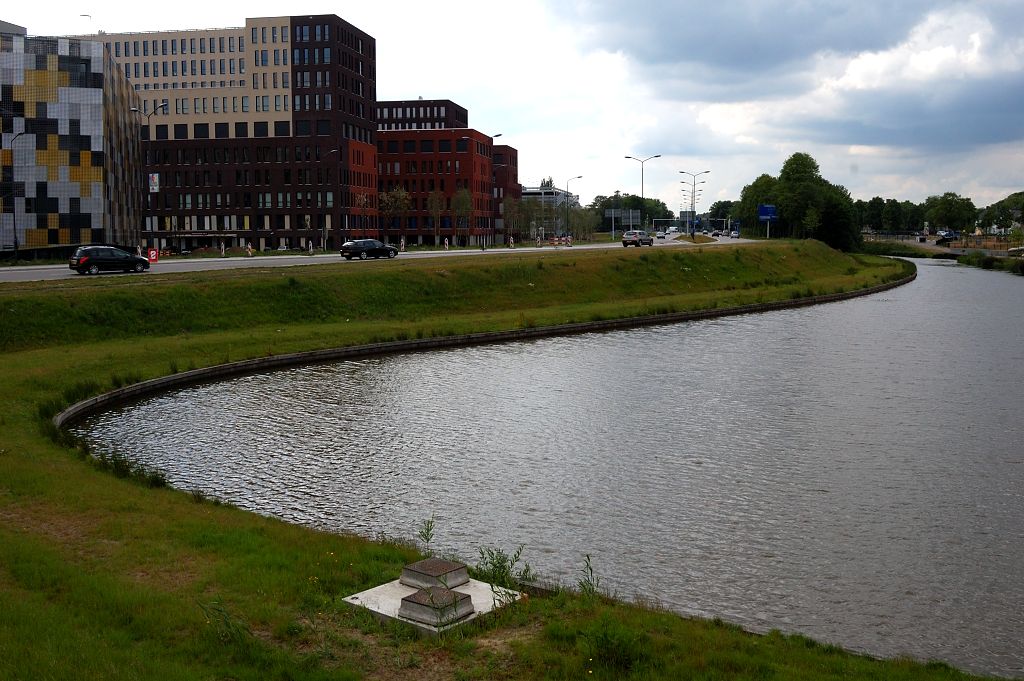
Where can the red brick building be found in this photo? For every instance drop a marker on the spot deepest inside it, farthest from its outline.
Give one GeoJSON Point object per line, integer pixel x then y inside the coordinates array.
{"type": "Point", "coordinates": [433, 167]}
{"type": "Point", "coordinates": [506, 190]}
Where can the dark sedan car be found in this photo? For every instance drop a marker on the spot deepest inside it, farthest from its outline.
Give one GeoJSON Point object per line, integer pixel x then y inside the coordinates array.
{"type": "Point", "coordinates": [367, 248]}
{"type": "Point", "coordinates": [96, 259]}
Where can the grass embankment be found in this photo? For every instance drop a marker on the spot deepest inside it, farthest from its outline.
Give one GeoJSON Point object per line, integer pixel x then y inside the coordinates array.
{"type": "Point", "coordinates": [102, 577]}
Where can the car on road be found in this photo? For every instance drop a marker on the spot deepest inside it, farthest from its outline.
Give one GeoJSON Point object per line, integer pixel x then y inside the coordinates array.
{"type": "Point", "coordinates": [367, 248]}
{"type": "Point", "coordinates": [734, 234]}
{"type": "Point", "coordinates": [659, 235]}
{"type": "Point", "coordinates": [716, 233]}
{"type": "Point", "coordinates": [637, 237]}
{"type": "Point", "coordinates": [96, 259]}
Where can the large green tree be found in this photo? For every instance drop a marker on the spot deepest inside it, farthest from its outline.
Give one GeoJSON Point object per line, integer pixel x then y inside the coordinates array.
{"type": "Point", "coordinates": [393, 204]}
{"type": "Point", "coordinates": [873, 216]}
{"type": "Point", "coordinates": [462, 206]}
{"type": "Point", "coordinates": [950, 211]}
{"type": "Point", "coordinates": [800, 195]}
{"type": "Point", "coordinates": [436, 206]}
{"type": "Point", "coordinates": [763, 190]}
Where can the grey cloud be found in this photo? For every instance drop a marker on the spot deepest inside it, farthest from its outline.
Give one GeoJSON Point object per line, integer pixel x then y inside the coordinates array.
{"type": "Point", "coordinates": [737, 41]}
{"type": "Point", "coordinates": [958, 116]}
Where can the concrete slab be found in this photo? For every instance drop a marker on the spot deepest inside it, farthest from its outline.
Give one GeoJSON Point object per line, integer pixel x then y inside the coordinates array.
{"type": "Point", "coordinates": [386, 600]}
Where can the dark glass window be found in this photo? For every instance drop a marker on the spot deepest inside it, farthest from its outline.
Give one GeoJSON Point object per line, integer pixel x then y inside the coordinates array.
{"type": "Point", "coordinates": [282, 128]}
{"type": "Point", "coordinates": [261, 129]}
{"type": "Point", "coordinates": [181, 131]}
{"type": "Point", "coordinates": [241, 129]}
{"type": "Point", "coordinates": [220, 130]}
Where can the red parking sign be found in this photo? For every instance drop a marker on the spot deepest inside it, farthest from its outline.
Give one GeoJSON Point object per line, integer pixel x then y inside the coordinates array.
{"type": "Point", "coordinates": [153, 255]}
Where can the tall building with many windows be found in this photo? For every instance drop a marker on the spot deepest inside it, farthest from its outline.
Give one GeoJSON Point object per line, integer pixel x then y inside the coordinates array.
{"type": "Point", "coordinates": [70, 170]}
{"type": "Point", "coordinates": [263, 134]}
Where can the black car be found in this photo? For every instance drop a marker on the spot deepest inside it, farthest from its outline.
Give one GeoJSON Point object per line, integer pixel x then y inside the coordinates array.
{"type": "Point", "coordinates": [367, 248]}
{"type": "Point", "coordinates": [96, 259]}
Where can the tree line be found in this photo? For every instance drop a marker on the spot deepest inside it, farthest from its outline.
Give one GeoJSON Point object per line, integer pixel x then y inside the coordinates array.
{"type": "Point", "coordinates": [807, 207]}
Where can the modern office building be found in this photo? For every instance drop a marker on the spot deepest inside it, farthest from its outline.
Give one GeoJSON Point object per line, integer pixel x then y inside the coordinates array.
{"type": "Point", "coordinates": [550, 218]}
{"type": "Point", "coordinates": [447, 176]}
{"type": "Point", "coordinates": [421, 114]}
{"type": "Point", "coordinates": [263, 134]}
{"type": "Point", "coordinates": [70, 170]}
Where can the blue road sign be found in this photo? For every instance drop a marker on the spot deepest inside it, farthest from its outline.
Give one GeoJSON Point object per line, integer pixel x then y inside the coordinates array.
{"type": "Point", "coordinates": [765, 212]}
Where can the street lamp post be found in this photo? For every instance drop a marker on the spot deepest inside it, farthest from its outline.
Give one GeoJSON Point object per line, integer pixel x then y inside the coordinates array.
{"type": "Point", "coordinates": [149, 115]}
{"type": "Point", "coordinates": [14, 213]}
{"type": "Point", "coordinates": [642, 200]}
{"type": "Point", "coordinates": [693, 192]}
{"type": "Point", "coordinates": [567, 202]}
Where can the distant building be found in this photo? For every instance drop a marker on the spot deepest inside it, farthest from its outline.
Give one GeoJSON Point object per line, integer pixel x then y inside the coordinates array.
{"type": "Point", "coordinates": [550, 219]}
{"type": "Point", "coordinates": [70, 169]}
{"type": "Point", "coordinates": [262, 134]}
{"type": "Point", "coordinates": [421, 114]}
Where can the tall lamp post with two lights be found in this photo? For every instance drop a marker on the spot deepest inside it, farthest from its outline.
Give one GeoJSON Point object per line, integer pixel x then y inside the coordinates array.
{"type": "Point", "coordinates": [149, 137]}
{"type": "Point", "coordinates": [693, 192]}
{"type": "Point", "coordinates": [568, 233]}
{"type": "Point", "coordinates": [642, 199]}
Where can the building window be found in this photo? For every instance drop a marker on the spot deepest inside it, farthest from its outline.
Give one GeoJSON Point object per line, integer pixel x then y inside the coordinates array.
{"type": "Point", "coordinates": [245, 104]}
{"type": "Point", "coordinates": [253, 37]}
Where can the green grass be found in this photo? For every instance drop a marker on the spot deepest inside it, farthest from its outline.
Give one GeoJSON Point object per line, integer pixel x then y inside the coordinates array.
{"type": "Point", "coordinates": [108, 577]}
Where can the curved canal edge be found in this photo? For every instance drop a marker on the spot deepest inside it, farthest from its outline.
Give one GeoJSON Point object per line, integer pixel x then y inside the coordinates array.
{"type": "Point", "coordinates": [136, 391]}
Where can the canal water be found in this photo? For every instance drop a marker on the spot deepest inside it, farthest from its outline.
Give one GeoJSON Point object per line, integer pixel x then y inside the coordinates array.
{"type": "Point", "coordinates": [852, 471]}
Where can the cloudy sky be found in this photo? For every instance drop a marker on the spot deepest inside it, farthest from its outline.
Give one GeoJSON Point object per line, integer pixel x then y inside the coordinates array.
{"type": "Point", "coordinates": [900, 99]}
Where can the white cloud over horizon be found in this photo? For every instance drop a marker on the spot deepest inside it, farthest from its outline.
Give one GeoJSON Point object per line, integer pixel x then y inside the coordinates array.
{"type": "Point", "coordinates": [895, 101]}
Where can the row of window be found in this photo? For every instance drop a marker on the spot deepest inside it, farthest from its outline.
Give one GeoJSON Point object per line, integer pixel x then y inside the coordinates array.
{"type": "Point", "coordinates": [262, 57]}
{"type": "Point", "coordinates": [285, 80]}
{"type": "Point", "coordinates": [155, 47]}
{"type": "Point", "coordinates": [319, 33]}
{"type": "Point", "coordinates": [186, 201]}
{"type": "Point", "coordinates": [169, 69]}
{"type": "Point", "coordinates": [185, 86]}
{"type": "Point", "coordinates": [260, 35]}
{"type": "Point", "coordinates": [318, 55]}
{"type": "Point", "coordinates": [411, 126]}
{"type": "Point", "coordinates": [386, 112]}
{"type": "Point", "coordinates": [425, 146]}
{"type": "Point", "coordinates": [427, 167]}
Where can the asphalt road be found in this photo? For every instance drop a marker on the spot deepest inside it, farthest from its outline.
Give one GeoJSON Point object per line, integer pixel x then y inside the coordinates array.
{"type": "Point", "coordinates": [22, 273]}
